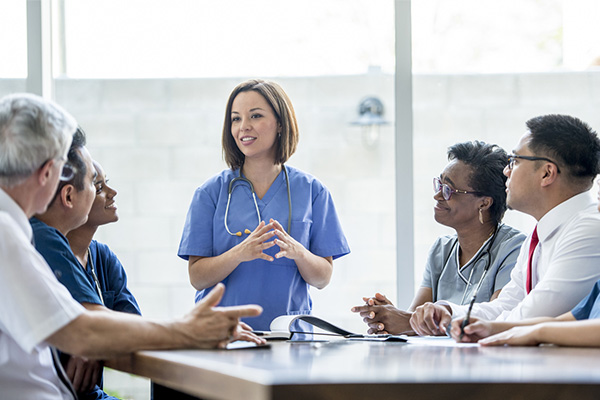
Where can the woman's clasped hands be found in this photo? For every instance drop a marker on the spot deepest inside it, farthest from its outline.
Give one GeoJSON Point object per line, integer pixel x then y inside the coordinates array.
{"type": "Point", "coordinates": [289, 247]}
{"type": "Point", "coordinates": [258, 241]}
{"type": "Point", "coordinates": [254, 245]}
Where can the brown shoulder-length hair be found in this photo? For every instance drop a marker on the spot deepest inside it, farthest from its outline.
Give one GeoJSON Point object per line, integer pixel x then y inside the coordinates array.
{"type": "Point", "coordinates": [284, 112]}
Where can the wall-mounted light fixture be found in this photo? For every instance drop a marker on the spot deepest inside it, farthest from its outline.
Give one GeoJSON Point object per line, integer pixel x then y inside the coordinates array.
{"type": "Point", "coordinates": [370, 118]}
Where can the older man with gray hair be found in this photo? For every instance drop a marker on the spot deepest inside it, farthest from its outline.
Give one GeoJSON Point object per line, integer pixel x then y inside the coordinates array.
{"type": "Point", "coordinates": [36, 311]}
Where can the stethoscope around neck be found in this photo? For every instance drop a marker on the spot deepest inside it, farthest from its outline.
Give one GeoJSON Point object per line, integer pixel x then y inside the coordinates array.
{"type": "Point", "coordinates": [241, 180]}
{"type": "Point", "coordinates": [488, 263]}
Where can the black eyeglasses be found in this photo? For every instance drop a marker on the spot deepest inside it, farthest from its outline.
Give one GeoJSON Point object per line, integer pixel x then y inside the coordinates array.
{"type": "Point", "coordinates": [447, 191]}
{"type": "Point", "coordinates": [513, 157]}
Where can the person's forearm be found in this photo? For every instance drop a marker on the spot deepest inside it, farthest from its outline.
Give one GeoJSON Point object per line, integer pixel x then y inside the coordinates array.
{"type": "Point", "coordinates": [315, 270]}
{"type": "Point", "coordinates": [205, 272]}
{"type": "Point", "coordinates": [574, 333]}
{"type": "Point", "coordinates": [423, 295]}
{"type": "Point", "coordinates": [501, 326]}
{"type": "Point", "coordinates": [100, 335]}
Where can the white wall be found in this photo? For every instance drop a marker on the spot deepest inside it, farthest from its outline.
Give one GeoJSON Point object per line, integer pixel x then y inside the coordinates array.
{"type": "Point", "coordinates": [159, 139]}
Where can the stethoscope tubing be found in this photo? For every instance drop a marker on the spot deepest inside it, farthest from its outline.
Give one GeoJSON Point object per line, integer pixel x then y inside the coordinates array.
{"type": "Point", "coordinates": [475, 261]}
{"type": "Point", "coordinates": [245, 180]}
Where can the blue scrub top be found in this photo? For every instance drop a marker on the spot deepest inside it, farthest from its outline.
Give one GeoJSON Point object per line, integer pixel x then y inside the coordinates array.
{"type": "Point", "coordinates": [112, 278]}
{"type": "Point", "coordinates": [277, 285]}
{"type": "Point", "coordinates": [55, 249]}
{"type": "Point", "coordinates": [588, 308]}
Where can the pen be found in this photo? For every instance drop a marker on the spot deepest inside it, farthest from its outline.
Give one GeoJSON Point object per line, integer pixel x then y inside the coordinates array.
{"type": "Point", "coordinates": [485, 270]}
{"type": "Point", "coordinates": [466, 320]}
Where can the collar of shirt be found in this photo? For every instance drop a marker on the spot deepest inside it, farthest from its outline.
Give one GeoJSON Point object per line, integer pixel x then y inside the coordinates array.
{"type": "Point", "coordinates": [563, 212]}
{"type": "Point", "coordinates": [8, 205]}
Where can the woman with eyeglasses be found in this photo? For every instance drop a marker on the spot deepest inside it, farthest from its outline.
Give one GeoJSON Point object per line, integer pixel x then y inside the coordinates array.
{"type": "Point", "coordinates": [477, 260]}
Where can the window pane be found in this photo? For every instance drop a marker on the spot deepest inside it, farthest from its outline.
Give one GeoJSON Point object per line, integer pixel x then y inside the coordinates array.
{"type": "Point", "coordinates": [504, 36]}
{"type": "Point", "coordinates": [184, 38]}
{"type": "Point", "coordinates": [481, 70]}
{"type": "Point", "coordinates": [164, 133]}
{"type": "Point", "coordinates": [13, 39]}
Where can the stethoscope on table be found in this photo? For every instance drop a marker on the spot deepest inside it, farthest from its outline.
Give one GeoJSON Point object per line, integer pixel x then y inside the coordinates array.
{"type": "Point", "coordinates": [479, 257]}
{"type": "Point", "coordinates": [242, 180]}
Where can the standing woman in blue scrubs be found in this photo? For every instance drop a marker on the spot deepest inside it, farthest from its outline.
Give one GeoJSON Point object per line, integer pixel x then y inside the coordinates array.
{"type": "Point", "coordinates": [241, 233]}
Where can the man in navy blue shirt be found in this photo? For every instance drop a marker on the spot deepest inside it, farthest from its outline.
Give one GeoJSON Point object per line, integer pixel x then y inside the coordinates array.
{"type": "Point", "coordinates": [91, 286]}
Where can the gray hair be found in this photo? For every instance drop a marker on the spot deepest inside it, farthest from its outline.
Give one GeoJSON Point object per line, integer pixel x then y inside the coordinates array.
{"type": "Point", "coordinates": [32, 131]}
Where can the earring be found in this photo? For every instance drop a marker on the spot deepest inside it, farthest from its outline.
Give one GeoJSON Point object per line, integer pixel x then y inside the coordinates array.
{"type": "Point", "coordinates": [481, 216]}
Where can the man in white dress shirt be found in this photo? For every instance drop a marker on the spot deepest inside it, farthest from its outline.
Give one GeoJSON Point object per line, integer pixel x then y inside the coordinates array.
{"type": "Point", "coordinates": [549, 177]}
{"type": "Point", "coordinates": [36, 311]}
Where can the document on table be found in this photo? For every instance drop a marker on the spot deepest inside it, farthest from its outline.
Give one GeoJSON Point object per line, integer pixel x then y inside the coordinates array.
{"type": "Point", "coordinates": [437, 341]}
{"type": "Point", "coordinates": [304, 326]}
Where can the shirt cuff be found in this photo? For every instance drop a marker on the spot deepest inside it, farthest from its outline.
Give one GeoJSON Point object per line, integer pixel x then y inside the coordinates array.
{"type": "Point", "coordinates": [457, 311]}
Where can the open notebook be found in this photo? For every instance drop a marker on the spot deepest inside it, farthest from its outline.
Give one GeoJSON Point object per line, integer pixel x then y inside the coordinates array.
{"type": "Point", "coordinates": [288, 327]}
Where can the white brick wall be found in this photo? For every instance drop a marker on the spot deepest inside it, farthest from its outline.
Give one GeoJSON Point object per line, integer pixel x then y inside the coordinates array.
{"type": "Point", "coordinates": [158, 139]}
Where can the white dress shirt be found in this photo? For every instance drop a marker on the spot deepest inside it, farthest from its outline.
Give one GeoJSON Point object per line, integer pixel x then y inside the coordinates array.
{"type": "Point", "coordinates": [33, 306]}
{"type": "Point", "coordinates": [566, 265]}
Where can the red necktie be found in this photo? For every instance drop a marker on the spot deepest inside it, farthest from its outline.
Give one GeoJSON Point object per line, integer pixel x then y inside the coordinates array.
{"type": "Point", "coordinates": [532, 246]}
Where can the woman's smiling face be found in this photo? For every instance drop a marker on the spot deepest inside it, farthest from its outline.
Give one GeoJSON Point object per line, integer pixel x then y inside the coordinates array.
{"type": "Point", "coordinates": [104, 208]}
{"type": "Point", "coordinates": [461, 208]}
{"type": "Point", "coordinates": [254, 125]}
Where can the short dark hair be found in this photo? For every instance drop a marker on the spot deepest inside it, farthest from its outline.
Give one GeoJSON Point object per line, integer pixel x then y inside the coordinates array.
{"type": "Point", "coordinates": [74, 158]}
{"type": "Point", "coordinates": [487, 162]}
{"type": "Point", "coordinates": [284, 112]}
{"type": "Point", "coordinates": [568, 141]}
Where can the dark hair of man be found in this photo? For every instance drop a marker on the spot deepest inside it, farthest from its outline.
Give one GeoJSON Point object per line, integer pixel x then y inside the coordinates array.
{"type": "Point", "coordinates": [568, 141]}
{"type": "Point", "coordinates": [74, 158]}
{"type": "Point", "coordinates": [487, 162]}
{"type": "Point", "coordinates": [284, 112]}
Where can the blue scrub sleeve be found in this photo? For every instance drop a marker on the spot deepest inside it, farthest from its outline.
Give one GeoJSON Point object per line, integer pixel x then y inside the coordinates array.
{"type": "Point", "coordinates": [583, 310]}
{"type": "Point", "coordinates": [113, 280]}
{"type": "Point", "coordinates": [54, 247]}
{"type": "Point", "coordinates": [197, 237]}
{"type": "Point", "coordinates": [327, 238]}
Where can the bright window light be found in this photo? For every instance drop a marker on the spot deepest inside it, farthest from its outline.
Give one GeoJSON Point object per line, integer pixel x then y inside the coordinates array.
{"type": "Point", "coordinates": [185, 38]}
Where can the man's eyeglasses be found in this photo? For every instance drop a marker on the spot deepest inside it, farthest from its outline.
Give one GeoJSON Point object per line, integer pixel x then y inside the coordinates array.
{"type": "Point", "coordinates": [68, 172]}
{"type": "Point", "coordinates": [513, 157]}
{"type": "Point", "coordinates": [447, 191]}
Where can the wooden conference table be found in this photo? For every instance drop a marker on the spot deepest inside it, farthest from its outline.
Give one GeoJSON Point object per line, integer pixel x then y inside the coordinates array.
{"type": "Point", "coordinates": [374, 370]}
